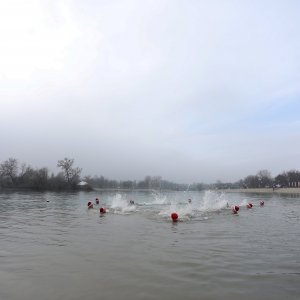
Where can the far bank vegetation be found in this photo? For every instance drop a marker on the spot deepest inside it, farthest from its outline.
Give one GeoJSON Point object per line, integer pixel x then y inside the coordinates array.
{"type": "Point", "coordinates": [15, 175]}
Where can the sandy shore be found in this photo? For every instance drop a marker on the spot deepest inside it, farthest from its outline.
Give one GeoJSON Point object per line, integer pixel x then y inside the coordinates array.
{"type": "Point", "coordinates": [264, 191]}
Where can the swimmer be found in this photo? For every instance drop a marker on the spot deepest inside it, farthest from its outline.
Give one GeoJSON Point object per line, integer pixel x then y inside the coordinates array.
{"type": "Point", "coordinates": [261, 203]}
{"type": "Point", "coordinates": [102, 210]}
{"type": "Point", "coordinates": [131, 202]}
{"type": "Point", "coordinates": [190, 201]}
{"type": "Point", "coordinates": [249, 205]}
{"type": "Point", "coordinates": [174, 217]}
{"type": "Point", "coordinates": [235, 209]}
{"type": "Point", "coordinates": [97, 201]}
{"type": "Point", "coordinates": [90, 205]}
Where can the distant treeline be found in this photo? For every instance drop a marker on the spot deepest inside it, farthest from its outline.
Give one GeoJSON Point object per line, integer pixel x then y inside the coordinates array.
{"type": "Point", "coordinates": [15, 175]}
{"type": "Point", "coordinates": [149, 183]}
{"type": "Point", "coordinates": [23, 176]}
{"type": "Point", "coordinates": [263, 179]}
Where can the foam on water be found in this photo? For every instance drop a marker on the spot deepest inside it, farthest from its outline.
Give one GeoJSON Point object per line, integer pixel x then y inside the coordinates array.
{"type": "Point", "coordinates": [185, 212]}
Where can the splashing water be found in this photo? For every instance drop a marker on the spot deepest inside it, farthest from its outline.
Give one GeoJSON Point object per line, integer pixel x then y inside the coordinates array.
{"type": "Point", "coordinates": [159, 199]}
{"type": "Point", "coordinates": [161, 205]}
{"type": "Point", "coordinates": [213, 201]}
{"type": "Point", "coordinates": [209, 202]}
{"type": "Point", "coordinates": [121, 205]}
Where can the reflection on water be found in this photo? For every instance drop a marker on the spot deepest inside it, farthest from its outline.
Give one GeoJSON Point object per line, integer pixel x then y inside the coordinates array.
{"type": "Point", "coordinates": [53, 247]}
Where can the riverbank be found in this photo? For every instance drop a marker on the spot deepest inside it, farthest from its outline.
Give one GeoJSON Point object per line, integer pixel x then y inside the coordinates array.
{"type": "Point", "coordinates": [292, 191]}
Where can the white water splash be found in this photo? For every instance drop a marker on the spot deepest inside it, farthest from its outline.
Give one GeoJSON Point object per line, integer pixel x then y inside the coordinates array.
{"type": "Point", "coordinates": [160, 199]}
{"type": "Point", "coordinates": [121, 205]}
{"type": "Point", "coordinates": [212, 201]}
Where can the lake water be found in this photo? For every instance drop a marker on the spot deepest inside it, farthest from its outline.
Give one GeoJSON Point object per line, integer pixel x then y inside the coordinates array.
{"type": "Point", "coordinates": [53, 247]}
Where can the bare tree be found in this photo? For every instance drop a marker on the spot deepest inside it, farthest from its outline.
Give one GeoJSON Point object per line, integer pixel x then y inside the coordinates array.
{"type": "Point", "coordinates": [264, 178]}
{"type": "Point", "coordinates": [40, 178]}
{"type": "Point", "coordinates": [71, 174]}
{"type": "Point", "coordinates": [251, 181]}
{"type": "Point", "coordinates": [9, 168]}
{"type": "Point", "coordinates": [282, 179]}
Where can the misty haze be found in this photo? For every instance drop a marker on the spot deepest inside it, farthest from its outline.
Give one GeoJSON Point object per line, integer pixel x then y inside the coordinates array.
{"type": "Point", "coordinates": [192, 92]}
{"type": "Point", "coordinates": [149, 149]}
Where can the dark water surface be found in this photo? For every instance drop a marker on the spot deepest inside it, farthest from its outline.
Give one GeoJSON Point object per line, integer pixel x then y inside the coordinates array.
{"type": "Point", "coordinates": [61, 250]}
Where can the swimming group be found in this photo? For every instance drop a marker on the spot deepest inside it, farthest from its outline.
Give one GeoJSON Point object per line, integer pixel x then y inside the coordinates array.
{"type": "Point", "coordinates": [174, 216]}
{"type": "Point", "coordinates": [235, 209]}
{"type": "Point", "coordinates": [102, 210]}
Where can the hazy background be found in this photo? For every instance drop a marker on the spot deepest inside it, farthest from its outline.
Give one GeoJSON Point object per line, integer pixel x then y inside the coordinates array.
{"type": "Point", "coordinates": [189, 90]}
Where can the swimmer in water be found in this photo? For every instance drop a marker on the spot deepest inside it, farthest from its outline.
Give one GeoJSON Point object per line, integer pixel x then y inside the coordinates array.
{"type": "Point", "coordinates": [190, 201]}
{"type": "Point", "coordinates": [235, 209]}
{"type": "Point", "coordinates": [131, 202]}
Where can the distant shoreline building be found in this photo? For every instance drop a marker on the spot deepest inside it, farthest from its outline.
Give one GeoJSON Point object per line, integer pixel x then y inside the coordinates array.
{"type": "Point", "coordinates": [83, 185]}
{"type": "Point", "coordinates": [294, 184]}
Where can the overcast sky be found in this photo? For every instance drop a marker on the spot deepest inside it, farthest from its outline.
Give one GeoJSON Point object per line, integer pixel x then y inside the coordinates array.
{"type": "Point", "coordinates": [194, 91]}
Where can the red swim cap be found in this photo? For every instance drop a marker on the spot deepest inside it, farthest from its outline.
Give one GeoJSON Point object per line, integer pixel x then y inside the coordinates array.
{"type": "Point", "coordinates": [102, 210]}
{"type": "Point", "coordinates": [174, 216]}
